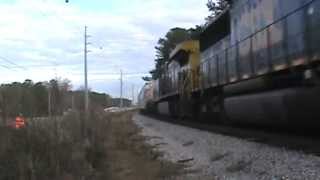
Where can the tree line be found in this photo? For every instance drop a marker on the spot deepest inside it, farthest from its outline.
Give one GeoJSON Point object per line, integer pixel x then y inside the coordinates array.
{"type": "Point", "coordinates": [177, 35]}
{"type": "Point", "coordinates": [39, 99]}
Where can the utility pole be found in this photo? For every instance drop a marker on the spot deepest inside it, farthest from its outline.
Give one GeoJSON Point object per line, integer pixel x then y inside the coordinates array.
{"type": "Point", "coordinates": [72, 101]}
{"type": "Point", "coordinates": [86, 98]}
{"type": "Point", "coordinates": [132, 103]}
{"type": "Point", "coordinates": [49, 102]}
{"type": "Point", "coordinates": [121, 86]}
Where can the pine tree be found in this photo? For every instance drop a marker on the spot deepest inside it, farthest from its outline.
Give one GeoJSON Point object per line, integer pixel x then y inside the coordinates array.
{"type": "Point", "coordinates": [216, 7]}
{"type": "Point", "coordinates": [168, 43]}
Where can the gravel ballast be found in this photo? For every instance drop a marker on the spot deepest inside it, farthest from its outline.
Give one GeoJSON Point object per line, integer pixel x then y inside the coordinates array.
{"type": "Point", "coordinates": [214, 156]}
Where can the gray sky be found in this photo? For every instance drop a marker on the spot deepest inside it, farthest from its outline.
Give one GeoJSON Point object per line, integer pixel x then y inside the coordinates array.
{"type": "Point", "coordinates": [44, 38]}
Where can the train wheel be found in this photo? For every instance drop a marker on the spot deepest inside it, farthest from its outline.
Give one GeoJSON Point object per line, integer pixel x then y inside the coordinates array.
{"type": "Point", "coordinates": [174, 108]}
{"type": "Point", "coordinates": [196, 109]}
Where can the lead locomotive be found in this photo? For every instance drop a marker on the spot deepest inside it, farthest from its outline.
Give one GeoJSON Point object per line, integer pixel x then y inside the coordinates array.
{"type": "Point", "coordinates": [257, 62]}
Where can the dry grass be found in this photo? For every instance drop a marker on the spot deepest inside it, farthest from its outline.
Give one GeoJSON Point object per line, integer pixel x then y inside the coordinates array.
{"type": "Point", "coordinates": [131, 157]}
{"type": "Point", "coordinates": [45, 149]}
{"type": "Point", "coordinates": [109, 147]}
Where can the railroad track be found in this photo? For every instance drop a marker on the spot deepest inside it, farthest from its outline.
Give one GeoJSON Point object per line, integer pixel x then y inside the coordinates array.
{"type": "Point", "coordinates": [307, 141]}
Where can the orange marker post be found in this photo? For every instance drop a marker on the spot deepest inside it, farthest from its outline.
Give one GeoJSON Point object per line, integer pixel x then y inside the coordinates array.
{"type": "Point", "coordinates": [20, 122]}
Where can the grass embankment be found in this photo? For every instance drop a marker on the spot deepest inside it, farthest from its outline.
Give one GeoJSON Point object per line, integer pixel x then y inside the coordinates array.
{"type": "Point", "coordinates": [109, 147]}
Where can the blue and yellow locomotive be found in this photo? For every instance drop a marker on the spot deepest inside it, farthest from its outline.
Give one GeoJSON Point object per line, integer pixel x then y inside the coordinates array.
{"type": "Point", "coordinates": [257, 62]}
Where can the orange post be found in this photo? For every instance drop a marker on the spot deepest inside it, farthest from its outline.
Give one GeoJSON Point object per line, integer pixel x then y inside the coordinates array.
{"type": "Point", "coordinates": [20, 122]}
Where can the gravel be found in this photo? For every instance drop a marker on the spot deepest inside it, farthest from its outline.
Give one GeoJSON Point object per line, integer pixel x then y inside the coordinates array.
{"type": "Point", "coordinates": [214, 156]}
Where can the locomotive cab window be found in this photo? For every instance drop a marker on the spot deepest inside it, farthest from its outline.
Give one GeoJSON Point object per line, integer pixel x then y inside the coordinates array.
{"type": "Point", "coordinates": [182, 57]}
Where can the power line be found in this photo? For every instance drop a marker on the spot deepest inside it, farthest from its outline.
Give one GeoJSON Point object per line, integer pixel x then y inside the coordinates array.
{"type": "Point", "coordinates": [129, 73]}
{"type": "Point", "coordinates": [54, 64]}
{"type": "Point", "coordinates": [10, 62]}
{"type": "Point", "coordinates": [7, 67]}
{"type": "Point", "coordinates": [39, 65]}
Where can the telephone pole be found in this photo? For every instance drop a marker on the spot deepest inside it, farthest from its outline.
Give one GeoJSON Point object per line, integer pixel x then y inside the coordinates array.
{"type": "Point", "coordinates": [133, 94]}
{"type": "Point", "coordinates": [121, 87]}
{"type": "Point", "coordinates": [49, 102]}
{"type": "Point", "coordinates": [72, 101]}
{"type": "Point", "coordinates": [86, 98]}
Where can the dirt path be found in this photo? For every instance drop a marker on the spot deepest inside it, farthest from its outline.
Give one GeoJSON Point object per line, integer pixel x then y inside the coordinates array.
{"type": "Point", "coordinates": [130, 157]}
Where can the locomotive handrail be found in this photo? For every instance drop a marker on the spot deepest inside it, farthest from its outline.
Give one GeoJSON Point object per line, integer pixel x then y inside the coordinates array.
{"type": "Point", "coordinates": [276, 21]}
{"type": "Point", "coordinates": [243, 70]}
{"type": "Point", "coordinates": [250, 55]}
{"type": "Point", "coordinates": [266, 27]}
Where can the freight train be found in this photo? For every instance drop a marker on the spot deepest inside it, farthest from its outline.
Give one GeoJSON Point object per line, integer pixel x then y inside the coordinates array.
{"type": "Point", "coordinates": [256, 62]}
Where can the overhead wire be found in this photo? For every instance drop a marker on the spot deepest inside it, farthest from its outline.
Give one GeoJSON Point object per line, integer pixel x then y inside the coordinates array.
{"type": "Point", "coordinates": [79, 31]}
{"type": "Point", "coordinates": [10, 62]}
{"type": "Point", "coordinates": [7, 67]}
{"type": "Point", "coordinates": [14, 65]}
{"type": "Point", "coordinates": [5, 59]}
{"type": "Point", "coordinates": [129, 73]}
{"type": "Point", "coordinates": [55, 64]}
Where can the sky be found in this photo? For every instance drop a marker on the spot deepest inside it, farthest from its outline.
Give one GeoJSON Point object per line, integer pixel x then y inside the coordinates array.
{"type": "Point", "coordinates": [44, 39]}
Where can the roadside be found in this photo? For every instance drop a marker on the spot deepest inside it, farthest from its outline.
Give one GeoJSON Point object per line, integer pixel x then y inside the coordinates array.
{"type": "Point", "coordinates": [109, 147]}
{"type": "Point", "coordinates": [130, 157]}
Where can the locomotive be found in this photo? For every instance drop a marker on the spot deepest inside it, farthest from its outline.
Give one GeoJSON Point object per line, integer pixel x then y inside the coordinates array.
{"type": "Point", "coordinates": [257, 62]}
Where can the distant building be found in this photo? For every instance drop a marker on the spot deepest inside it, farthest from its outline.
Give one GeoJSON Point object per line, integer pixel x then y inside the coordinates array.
{"type": "Point", "coordinates": [125, 102]}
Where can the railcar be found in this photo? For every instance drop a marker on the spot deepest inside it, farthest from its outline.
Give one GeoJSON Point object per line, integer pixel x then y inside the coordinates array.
{"type": "Point", "coordinates": [257, 62]}
{"type": "Point", "coordinates": [179, 79]}
{"type": "Point", "coordinates": [147, 96]}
